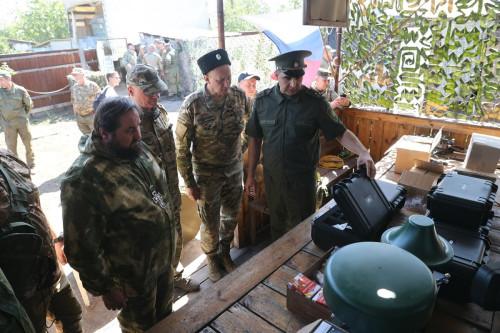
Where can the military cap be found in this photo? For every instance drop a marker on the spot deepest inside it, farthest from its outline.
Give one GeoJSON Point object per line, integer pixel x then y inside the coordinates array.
{"type": "Point", "coordinates": [146, 78]}
{"type": "Point", "coordinates": [324, 73]}
{"type": "Point", "coordinates": [77, 71]}
{"type": "Point", "coordinates": [152, 46]}
{"type": "Point", "coordinates": [246, 76]}
{"type": "Point", "coordinates": [213, 60]}
{"type": "Point", "coordinates": [167, 44]}
{"type": "Point", "coordinates": [292, 63]}
{"type": "Point", "coordinates": [5, 74]}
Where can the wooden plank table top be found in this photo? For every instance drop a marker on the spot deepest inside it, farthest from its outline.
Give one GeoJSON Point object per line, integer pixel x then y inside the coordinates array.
{"type": "Point", "coordinates": [253, 297]}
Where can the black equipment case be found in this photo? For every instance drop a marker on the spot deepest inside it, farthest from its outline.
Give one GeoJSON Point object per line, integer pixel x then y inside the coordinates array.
{"type": "Point", "coordinates": [462, 201]}
{"type": "Point", "coordinates": [485, 290]}
{"type": "Point", "coordinates": [471, 248]}
{"type": "Point", "coordinates": [361, 213]}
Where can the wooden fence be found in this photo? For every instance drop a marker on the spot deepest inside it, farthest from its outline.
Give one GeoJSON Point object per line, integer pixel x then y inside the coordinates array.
{"type": "Point", "coordinates": [43, 74]}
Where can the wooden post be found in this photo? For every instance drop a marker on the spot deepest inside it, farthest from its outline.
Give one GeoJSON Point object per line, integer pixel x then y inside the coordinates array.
{"type": "Point", "coordinates": [220, 23]}
{"type": "Point", "coordinates": [339, 45]}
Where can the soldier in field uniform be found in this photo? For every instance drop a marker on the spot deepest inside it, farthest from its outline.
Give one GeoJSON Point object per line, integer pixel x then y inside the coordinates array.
{"type": "Point", "coordinates": [144, 86]}
{"type": "Point", "coordinates": [172, 72]}
{"type": "Point", "coordinates": [15, 106]}
{"type": "Point", "coordinates": [208, 138]}
{"type": "Point", "coordinates": [118, 219]}
{"type": "Point", "coordinates": [83, 94]}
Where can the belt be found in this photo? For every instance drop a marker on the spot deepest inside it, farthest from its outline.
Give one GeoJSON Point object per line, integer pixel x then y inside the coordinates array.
{"type": "Point", "coordinates": [87, 114]}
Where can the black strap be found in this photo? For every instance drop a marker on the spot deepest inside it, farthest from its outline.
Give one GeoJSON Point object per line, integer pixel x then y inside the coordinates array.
{"type": "Point", "coordinates": [18, 201]}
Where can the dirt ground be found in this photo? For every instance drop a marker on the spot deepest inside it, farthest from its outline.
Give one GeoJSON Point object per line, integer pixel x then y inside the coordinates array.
{"type": "Point", "coordinates": [55, 139]}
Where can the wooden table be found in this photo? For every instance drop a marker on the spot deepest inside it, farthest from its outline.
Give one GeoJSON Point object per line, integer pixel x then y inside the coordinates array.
{"type": "Point", "coordinates": [253, 297]}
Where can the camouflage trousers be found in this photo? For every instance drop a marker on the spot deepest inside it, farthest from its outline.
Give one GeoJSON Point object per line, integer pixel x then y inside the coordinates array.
{"type": "Point", "coordinates": [173, 79]}
{"type": "Point", "coordinates": [85, 124]}
{"type": "Point", "coordinates": [58, 305]}
{"type": "Point", "coordinates": [290, 201]}
{"type": "Point", "coordinates": [144, 311]}
{"type": "Point", "coordinates": [218, 206]}
{"type": "Point", "coordinates": [178, 269]}
{"type": "Point", "coordinates": [11, 142]}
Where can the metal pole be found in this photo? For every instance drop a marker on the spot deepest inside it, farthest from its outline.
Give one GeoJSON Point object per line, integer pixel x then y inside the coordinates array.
{"type": "Point", "coordinates": [220, 22]}
{"type": "Point", "coordinates": [339, 53]}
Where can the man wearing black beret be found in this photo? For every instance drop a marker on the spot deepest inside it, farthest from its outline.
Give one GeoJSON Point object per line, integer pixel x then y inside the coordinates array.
{"type": "Point", "coordinates": [209, 156]}
{"type": "Point", "coordinates": [286, 119]}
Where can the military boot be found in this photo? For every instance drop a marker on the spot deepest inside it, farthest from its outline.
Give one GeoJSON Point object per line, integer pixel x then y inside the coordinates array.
{"type": "Point", "coordinates": [214, 270]}
{"type": "Point", "coordinates": [225, 259]}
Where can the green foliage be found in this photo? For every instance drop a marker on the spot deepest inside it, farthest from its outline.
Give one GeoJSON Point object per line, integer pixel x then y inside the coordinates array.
{"type": "Point", "coordinates": [6, 67]}
{"type": "Point", "coordinates": [233, 8]}
{"type": "Point", "coordinates": [40, 21]}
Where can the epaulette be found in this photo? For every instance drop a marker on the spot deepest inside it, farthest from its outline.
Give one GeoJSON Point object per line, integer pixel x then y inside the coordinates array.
{"type": "Point", "coordinates": [191, 98]}
{"type": "Point", "coordinates": [264, 92]}
{"type": "Point", "coordinates": [313, 92]}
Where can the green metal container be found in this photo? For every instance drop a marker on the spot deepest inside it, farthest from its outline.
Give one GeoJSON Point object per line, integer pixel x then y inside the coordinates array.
{"type": "Point", "coordinates": [376, 287]}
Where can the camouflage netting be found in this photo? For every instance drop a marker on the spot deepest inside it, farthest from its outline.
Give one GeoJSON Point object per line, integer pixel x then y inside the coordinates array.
{"type": "Point", "coordinates": [248, 53]}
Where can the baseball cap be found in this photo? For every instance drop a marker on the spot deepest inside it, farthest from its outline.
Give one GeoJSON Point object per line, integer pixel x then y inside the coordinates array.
{"type": "Point", "coordinates": [5, 74]}
{"type": "Point", "coordinates": [146, 78]}
{"type": "Point", "coordinates": [246, 76]}
{"type": "Point", "coordinates": [77, 71]}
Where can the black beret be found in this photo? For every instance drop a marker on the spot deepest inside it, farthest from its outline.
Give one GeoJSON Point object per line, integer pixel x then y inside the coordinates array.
{"type": "Point", "coordinates": [213, 60]}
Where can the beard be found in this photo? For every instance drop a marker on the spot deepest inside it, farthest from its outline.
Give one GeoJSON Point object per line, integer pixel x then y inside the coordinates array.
{"type": "Point", "coordinates": [126, 153]}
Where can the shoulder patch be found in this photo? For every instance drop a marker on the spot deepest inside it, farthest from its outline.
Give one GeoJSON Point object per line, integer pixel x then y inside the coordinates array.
{"type": "Point", "coordinates": [264, 92]}
{"type": "Point", "coordinates": [192, 97]}
{"type": "Point", "coordinates": [313, 92]}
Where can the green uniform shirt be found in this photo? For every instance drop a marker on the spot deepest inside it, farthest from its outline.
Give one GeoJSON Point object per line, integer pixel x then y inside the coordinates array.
{"type": "Point", "coordinates": [214, 133]}
{"type": "Point", "coordinates": [289, 127]}
{"type": "Point", "coordinates": [129, 58]}
{"type": "Point", "coordinates": [15, 105]}
{"type": "Point", "coordinates": [13, 317]}
{"type": "Point", "coordinates": [116, 232]}
{"type": "Point", "coordinates": [157, 133]}
{"type": "Point", "coordinates": [328, 93]}
{"type": "Point", "coordinates": [83, 96]}
{"type": "Point", "coordinates": [172, 60]}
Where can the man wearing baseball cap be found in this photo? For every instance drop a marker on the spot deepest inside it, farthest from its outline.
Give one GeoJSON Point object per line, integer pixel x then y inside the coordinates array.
{"type": "Point", "coordinates": [248, 82]}
{"type": "Point", "coordinates": [144, 86]}
{"type": "Point", "coordinates": [209, 156]}
{"type": "Point", "coordinates": [83, 94]}
{"type": "Point", "coordinates": [15, 105]}
{"type": "Point", "coordinates": [286, 119]}
{"type": "Point", "coordinates": [322, 85]}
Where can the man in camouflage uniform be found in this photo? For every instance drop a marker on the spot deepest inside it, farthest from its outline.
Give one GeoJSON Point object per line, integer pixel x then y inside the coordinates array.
{"type": "Point", "coordinates": [129, 58]}
{"type": "Point", "coordinates": [286, 119]}
{"type": "Point", "coordinates": [15, 105]}
{"type": "Point", "coordinates": [153, 59]}
{"type": "Point", "coordinates": [208, 138]}
{"type": "Point", "coordinates": [171, 65]}
{"type": "Point", "coordinates": [118, 219]}
{"type": "Point", "coordinates": [144, 86]}
{"type": "Point", "coordinates": [46, 293]}
{"type": "Point", "coordinates": [142, 53]}
{"type": "Point", "coordinates": [322, 85]}
{"type": "Point", "coordinates": [83, 94]}
{"type": "Point", "coordinates": [13, 317]}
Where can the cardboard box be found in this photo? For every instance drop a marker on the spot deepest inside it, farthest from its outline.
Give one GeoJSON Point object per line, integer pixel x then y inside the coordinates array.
{"type": "Point", "coordinates": [411, 147]}
{"type": "Point", "coordinates": [421, 178]}
{"type": "Point", "coordinates": [483, 153]}
{"type": "Point", "coordinates": [321, 326]}
{"type": "Point", "coordinates": [305, 307]}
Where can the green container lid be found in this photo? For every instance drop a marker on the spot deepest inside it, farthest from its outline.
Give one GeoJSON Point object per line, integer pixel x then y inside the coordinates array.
{"type": "Point", "coordinates": [376, 287]}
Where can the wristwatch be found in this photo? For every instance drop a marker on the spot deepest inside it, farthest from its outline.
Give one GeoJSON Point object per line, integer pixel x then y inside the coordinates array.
{"type": "Point", "coordinates": [58, 239]}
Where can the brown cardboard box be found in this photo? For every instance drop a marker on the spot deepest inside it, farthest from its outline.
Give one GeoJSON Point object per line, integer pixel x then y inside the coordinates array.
{"type": "Point", "coordinates": [483, 153]}
{"type": "Point", "coordinates": [419, 180]}
{"type": "Point", "coordinates": [304, 307]}
{"type": "Point", "coordinates": [411, 147]}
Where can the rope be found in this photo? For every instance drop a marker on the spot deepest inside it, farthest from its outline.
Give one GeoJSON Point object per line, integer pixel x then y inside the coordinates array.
{"type": "Point", "coordinates": [47, 92]}
{"type": "Point", "coordinates": [331, 162]}
{"type": "Point", "coordinates": [382, 42]}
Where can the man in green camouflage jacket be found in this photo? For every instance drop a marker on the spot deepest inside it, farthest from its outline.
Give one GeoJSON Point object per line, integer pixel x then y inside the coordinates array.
{"type": "Point", "coordinates": [144, 86]}
{"type": "Point", "coordinates": [129, 58]}
{"type": "Point", "coordinates": [83, 94]}
{"type": "Point", "coordinates": [45, 293]}
{"type": "Point", "coordinates": [118, 219]}
{"type": "Point", "coordinates": [211, 120]}
{"type": "Point", "coordinates": [172, 72]}
{"type": "Point", "coordinates": [15, 105]}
